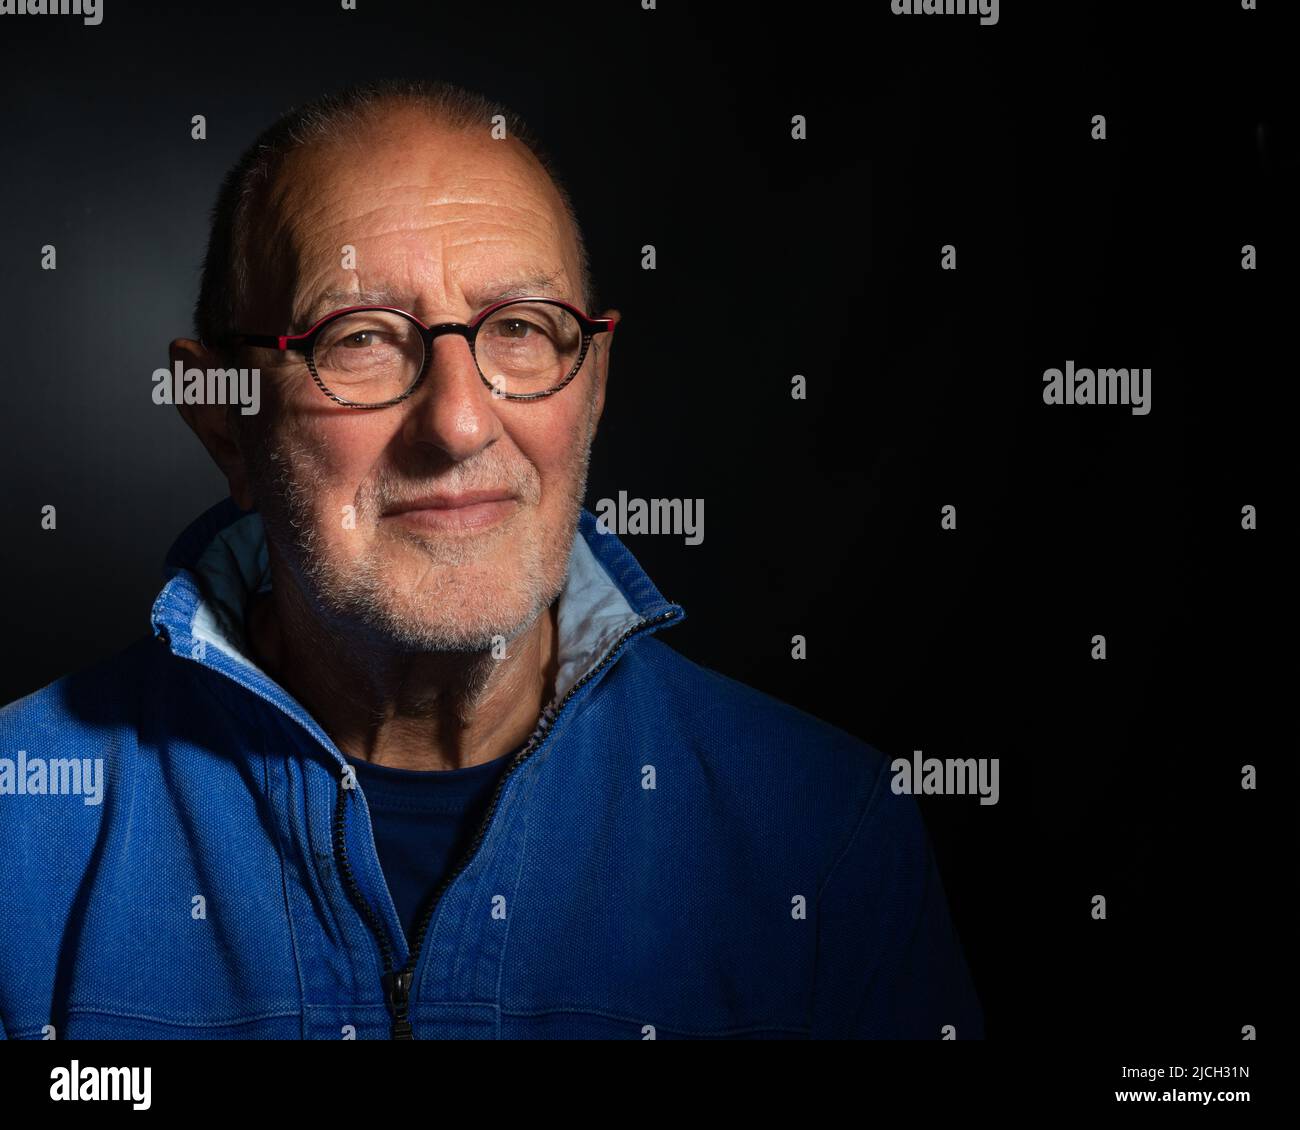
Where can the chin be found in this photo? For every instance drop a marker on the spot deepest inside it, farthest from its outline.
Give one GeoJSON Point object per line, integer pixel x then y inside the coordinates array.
{"type": "Point", "coordinates": [461, 606]}
{"type": "Point", "coordinates": [472, 629]}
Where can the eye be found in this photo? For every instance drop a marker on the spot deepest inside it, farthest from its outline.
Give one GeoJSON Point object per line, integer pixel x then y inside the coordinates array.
{"type": "Point", "coordinates": [512, 324]}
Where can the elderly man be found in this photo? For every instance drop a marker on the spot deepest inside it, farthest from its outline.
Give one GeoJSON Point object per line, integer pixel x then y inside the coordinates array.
{"type": "Point", "coordinates": [403, 756]}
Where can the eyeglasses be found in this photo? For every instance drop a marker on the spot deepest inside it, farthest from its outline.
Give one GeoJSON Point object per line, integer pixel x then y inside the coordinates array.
{"type": "Point", "coordinates": [376, 356]}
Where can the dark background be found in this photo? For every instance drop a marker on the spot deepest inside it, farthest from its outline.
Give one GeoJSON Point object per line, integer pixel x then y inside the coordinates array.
{"type": "Point", "coordinates": [820, 258]}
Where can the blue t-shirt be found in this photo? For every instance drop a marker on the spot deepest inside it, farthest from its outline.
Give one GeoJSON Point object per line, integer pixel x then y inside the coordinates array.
{"type": "Point", "coordinates": [423, 822]}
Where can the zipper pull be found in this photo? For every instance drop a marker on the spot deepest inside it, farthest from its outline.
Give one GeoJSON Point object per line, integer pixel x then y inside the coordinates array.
{"type": "Point", "coordinates": [397, 992]}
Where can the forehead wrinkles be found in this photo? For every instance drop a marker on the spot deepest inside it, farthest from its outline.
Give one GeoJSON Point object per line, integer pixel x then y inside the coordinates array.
{"type": "Point", "coordinates": [402, 161]}
{"type": "Point", "coordinates": [296, 229]}
{"type": "Point", "coordinates": [445, 219]}
{"type": "Point", "coordinates": [311, 217]}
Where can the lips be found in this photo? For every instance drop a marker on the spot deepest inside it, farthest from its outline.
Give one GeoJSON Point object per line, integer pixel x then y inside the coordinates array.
{"type": "Point", "coordinates": [451, 502]}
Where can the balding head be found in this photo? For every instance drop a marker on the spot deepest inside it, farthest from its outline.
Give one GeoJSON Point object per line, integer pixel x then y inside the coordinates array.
{"type": "Point", "coordinates": [246, 254]}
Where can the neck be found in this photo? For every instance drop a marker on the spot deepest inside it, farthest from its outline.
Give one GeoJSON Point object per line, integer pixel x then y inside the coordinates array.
{"type": "Point", "coordinates": [427, 710]}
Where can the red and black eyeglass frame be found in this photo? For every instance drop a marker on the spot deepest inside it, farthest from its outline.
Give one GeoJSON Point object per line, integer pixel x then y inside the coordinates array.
{"type": "Point", "coordinates": [305, 342]}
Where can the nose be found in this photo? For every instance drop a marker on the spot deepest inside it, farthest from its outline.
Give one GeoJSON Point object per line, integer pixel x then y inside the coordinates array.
{"type": "Point", "coordinates": [452, 409]}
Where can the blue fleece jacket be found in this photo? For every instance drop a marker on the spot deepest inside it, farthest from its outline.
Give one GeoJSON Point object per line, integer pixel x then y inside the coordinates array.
{"type": "Point", "coordinates": [672, 854]}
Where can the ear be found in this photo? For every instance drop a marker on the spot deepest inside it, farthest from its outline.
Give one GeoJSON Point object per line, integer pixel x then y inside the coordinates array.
{"type": "Point", "coordinates": [602, 364]}
{"type": "Point", "coordinates": [211, 422]}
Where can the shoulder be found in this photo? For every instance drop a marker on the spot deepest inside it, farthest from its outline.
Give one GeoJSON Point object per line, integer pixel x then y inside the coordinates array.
{"type": "Point", "coordinates": [101, 694]}
{"type": "Point", "coordinates": [64, 746]}
{"type": "Point", "coordinates": [711, 703]}
{"type": "Point", "coordinates": [779, 751]}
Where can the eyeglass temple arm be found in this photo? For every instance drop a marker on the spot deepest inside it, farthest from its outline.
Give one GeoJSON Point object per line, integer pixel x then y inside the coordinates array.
{"type": "Point", "coordinates": [268, 341]}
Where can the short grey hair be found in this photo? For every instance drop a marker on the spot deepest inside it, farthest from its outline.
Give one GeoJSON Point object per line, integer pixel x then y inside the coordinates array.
{"type": "Point", "coordinates": [226, 267]}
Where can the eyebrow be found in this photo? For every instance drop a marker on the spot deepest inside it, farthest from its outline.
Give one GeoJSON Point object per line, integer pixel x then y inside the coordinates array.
{"type": "Point", "coordinates": [480, 297]}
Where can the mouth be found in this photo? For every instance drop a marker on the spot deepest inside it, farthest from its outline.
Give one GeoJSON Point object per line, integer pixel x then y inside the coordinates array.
{"type": "Point", "coordinates": [469, 510]}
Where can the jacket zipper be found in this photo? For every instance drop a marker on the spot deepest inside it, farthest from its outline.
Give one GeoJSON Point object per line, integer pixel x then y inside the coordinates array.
{"type": "Point", "coordinates": [397, 983]}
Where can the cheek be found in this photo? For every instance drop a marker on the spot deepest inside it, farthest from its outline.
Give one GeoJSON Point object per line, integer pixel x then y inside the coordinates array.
{"type": "Point", "coordinates": [553, 446]}
{"type": "Point", "coordinates": [332, 464]}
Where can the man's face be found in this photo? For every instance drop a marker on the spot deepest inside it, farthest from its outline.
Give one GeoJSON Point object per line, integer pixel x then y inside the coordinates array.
{"type": "Point", "coordinates": [440, 225]}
